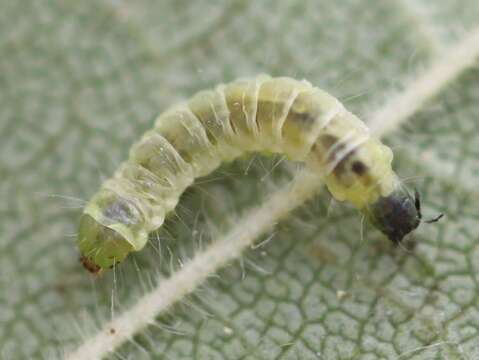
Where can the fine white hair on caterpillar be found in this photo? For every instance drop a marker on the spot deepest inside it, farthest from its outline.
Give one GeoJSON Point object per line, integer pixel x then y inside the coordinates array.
{"type": "Point", "coordinates": [266, 115]}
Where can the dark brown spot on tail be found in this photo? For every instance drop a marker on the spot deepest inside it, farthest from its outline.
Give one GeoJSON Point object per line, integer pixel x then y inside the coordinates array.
{"type": "Point", "coordinates": [89, 265]}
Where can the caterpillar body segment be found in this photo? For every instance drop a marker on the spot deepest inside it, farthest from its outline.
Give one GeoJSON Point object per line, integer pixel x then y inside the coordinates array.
{"type": "Point", "coordinates": [264, 114]}
{"type": "Point", "coordinates": [181, 128]}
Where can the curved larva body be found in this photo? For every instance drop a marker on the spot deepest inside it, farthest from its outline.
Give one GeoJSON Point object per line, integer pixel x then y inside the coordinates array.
{"type": "Point", "coordinates": [267, 115]}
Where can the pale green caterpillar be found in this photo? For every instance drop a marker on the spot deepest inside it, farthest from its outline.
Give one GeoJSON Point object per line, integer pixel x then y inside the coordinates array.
{"type": "Point", "coordinates": [266, 115]}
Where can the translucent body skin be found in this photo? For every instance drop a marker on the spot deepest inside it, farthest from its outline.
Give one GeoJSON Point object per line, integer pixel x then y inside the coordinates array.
{"type": "Point", "coordinates": [267, 115]}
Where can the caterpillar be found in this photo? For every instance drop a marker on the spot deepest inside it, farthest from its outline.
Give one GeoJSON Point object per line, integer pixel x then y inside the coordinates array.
{"type": "Point", "coordinates": [263, 114]}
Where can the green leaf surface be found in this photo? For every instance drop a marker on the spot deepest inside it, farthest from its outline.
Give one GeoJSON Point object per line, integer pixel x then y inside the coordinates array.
{"type": "Point", "coordinates": [80, 81]}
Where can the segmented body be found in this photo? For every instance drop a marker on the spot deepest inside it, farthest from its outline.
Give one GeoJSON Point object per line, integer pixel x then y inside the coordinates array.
{"type": "Point", "coordinates": [263, 114]}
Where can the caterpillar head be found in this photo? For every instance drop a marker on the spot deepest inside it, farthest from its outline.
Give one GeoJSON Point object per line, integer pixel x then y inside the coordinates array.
{"type": "Point", "coordinates": [397, 214]}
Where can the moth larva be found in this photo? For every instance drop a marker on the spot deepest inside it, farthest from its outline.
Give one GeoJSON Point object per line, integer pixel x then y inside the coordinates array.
{"type": "Point", "coordinates": [267, 115]}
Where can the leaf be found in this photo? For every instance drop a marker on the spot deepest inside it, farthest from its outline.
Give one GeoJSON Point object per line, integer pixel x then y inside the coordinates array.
{"type": "Point", "coordinates": [81, 81]}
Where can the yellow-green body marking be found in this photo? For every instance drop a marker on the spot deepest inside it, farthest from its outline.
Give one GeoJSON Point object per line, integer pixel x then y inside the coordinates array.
{"type": "Point", "coordinates": [262, 114]}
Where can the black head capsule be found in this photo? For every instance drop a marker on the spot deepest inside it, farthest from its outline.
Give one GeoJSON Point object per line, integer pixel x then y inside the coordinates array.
{"type": "Point", "coordinates": [397, 215]}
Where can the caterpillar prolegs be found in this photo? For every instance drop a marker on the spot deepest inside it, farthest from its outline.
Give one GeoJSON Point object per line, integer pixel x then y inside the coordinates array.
{"type": "Point", "coordinates": [263, 114]}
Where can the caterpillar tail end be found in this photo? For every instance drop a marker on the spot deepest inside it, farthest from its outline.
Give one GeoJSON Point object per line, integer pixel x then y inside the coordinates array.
{"type": "Point", "coordinates": [395, 215]}
{"type": "Point", "coordinates": [90, 265]}
{"type": "Point", "coordinates": [100, 246]}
